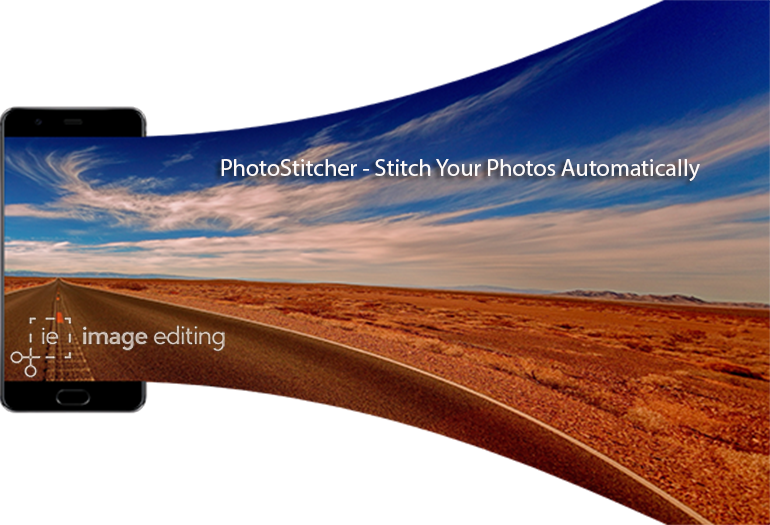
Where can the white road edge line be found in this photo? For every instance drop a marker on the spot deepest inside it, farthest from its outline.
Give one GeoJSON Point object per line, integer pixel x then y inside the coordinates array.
{"type": "Point", "coordinates": [633, 475]}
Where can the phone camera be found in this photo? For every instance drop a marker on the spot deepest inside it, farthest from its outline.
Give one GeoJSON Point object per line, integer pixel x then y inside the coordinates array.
{"type": "Point", "coordinates": [38, 122]}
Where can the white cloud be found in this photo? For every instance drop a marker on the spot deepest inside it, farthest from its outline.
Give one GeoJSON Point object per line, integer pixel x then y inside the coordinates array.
{"type": "Point", "coordinates": [319, 153]}
{"type": "Point", "coordinates": [176, 159]}
{"type": "Point", "coordinates": [716, 249]}
{"type": "Point", "coordinates": [260, 204]}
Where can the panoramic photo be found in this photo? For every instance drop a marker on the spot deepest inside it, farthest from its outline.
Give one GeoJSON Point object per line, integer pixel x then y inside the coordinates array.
{"type": "Point", "coordinates": [472, 260]}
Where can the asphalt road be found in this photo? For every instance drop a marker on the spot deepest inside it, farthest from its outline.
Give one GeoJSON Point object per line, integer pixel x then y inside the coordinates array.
{"type": "Point", "coordinates": [275, 361]}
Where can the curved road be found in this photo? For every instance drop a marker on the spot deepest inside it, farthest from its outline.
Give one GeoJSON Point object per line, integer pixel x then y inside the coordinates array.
{"type": "Point", "coordinates": [275, 361]}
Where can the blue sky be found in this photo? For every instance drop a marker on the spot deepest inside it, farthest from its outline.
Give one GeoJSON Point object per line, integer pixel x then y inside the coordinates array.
{"type": "Point", "coordinates": [678, 80]}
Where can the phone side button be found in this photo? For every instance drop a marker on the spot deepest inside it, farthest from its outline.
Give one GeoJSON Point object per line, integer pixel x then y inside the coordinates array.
{"type": "Point", "coordinates": [69, 398]}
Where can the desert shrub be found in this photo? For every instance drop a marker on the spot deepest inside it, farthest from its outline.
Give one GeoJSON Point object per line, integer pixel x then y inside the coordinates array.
{"type": "Point", "coordinates": [128, 285]}
{"type": "Point", "coordinates": [639, 345]}
{"type": "Point", "coordinates": [552, 378]}
{"type": "Point", "coordinates": [756, 465]}
{"type": "Point", "coordinates": [688, 336]}
{"type": "Point", "coordinates": [437, 346]}
{"type": "Point", "coordinates": [647, 419]}
{"type": "Point", "coordinates": [735, 370]}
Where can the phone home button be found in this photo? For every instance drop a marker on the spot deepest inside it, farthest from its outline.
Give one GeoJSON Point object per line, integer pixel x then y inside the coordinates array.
{"type": "Point", "coordinates": [73, 398]}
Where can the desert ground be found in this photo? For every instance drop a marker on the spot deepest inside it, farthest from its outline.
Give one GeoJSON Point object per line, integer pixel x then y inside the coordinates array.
{"type": "Point", "coordinates": [678, 394]}
{"type": "Point", "coordinates": [17, 283]}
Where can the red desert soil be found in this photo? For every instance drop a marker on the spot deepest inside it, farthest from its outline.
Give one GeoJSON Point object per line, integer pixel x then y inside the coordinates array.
{"type": "Point", "coordinates": [679, 394]}
{"type": "Point", "coordinates": [17, 283]}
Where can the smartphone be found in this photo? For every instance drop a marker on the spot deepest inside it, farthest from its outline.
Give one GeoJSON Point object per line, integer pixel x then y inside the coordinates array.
{"type": "Point", "coordinates": [39, 371]}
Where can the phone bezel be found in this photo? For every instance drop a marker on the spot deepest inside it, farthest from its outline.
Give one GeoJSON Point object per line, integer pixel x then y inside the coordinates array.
{"type": "Point", "coordinates": [38, 396]}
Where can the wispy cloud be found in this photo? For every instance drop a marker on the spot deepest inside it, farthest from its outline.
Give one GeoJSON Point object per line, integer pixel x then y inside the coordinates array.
{"type": "Point", "coordinates": [264, 205]}
{"type": "Point", "coordinates": [707, 138]}
{"type": "Point", "coordinates": [56, 170]}
{"type": "Point", "coordinates": [716, 249]}
{"type": "Point", "coordinates": [131, 203]}
{"type": "Point", "coordinates": [474, 111]}
{"type": "Point", "coordinates": [318, 153]}
{"type": "Point", "coordinates": [176, 159]}
{"type": "Point", "coordinates": [185, 156]}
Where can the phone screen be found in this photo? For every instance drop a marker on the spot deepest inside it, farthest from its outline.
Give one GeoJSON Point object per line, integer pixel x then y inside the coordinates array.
{"type": "Point", "coordinates": [50, 208]}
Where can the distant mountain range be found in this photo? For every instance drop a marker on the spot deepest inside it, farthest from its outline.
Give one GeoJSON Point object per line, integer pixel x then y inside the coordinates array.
{"type": "Point", "coordinates": [660, 299]}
